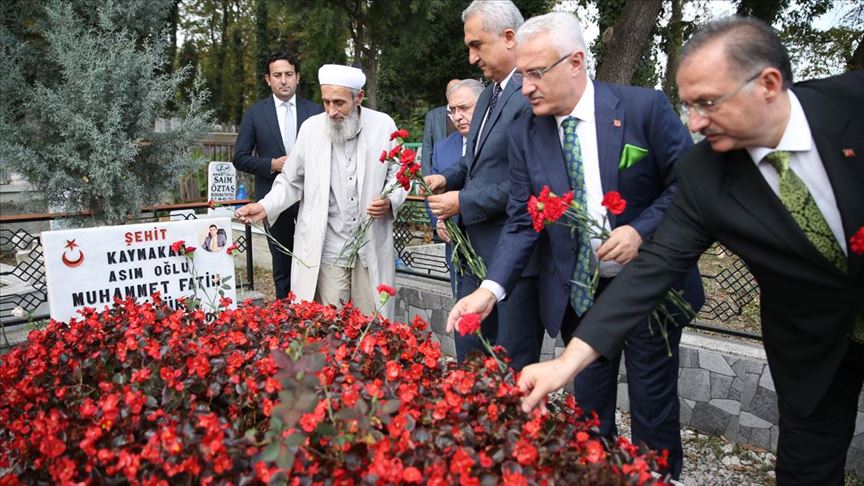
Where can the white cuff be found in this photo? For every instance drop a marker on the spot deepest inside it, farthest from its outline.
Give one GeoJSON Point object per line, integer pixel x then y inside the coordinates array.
{"type": "Point", "coordinates": [496, 289]}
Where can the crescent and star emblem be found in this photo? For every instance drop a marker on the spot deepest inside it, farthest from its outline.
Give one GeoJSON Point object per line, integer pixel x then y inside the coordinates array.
{"type": "Point", "coordinates": [72, 247]}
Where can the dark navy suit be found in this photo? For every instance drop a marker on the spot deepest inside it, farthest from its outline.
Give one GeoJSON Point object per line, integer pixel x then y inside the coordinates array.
{"type": "Point", "coordinates": [446, 153]}
{"type": "Point", "coordinates": [482, 179]}
{"type": "Point", "coordinates": [623, 115]}
{"type": "Point", "coordinates": [259, 141]}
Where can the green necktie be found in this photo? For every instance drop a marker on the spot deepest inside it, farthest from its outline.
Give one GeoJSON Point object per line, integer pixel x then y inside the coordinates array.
{"type": "Point", "coordinates": [801, 205]}
{"type": "Point", "coordinates": [581, 293]}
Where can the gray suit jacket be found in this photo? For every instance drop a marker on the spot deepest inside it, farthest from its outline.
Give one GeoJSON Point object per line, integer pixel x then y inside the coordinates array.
{"type": "Point", "coordinates": [482, 176]}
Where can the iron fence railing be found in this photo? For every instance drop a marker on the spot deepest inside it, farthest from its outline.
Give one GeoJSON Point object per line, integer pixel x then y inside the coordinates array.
{"type": "Point", "coordinates": [26, 271]}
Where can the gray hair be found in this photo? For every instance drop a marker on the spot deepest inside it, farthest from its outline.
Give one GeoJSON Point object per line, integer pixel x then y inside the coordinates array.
{"type": "Point", "coordinates": [475, 86]}
{"type": "Point", "coordinates": [565, 32]}
{"type": "Point", "coordinates": [498, 15]}
{"type": "Point", "coordinates": [749, 44]}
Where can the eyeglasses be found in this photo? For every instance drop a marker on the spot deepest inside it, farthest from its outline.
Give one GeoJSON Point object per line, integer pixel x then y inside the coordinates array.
{"type": "Point", "coordinates": [707, 107]}
{"type": "Point", "coordinates": [537, 74]}
{"type": "Point", "coordinates": [453, 111]}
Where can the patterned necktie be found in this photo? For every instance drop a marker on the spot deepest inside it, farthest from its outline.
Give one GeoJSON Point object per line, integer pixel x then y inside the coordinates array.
{"type": "Point", "coordinates": [801, 205]}
{"type": "Point", "coordinates": [496, 90]}
{"type": "Point", "coordinates": [290, 130]}
{"type": "Point", "coordinates": [581, 293]}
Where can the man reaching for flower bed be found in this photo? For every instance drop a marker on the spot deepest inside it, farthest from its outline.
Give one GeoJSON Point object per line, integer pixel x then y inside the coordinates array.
{"type": "Point", "coordinates": [592, 138]}
{"type": "Point", "coordinates": [335, 174]}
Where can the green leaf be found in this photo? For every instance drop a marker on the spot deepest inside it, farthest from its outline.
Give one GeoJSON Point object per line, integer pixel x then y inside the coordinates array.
{"type": "Point", "coordinates": [270, 453]}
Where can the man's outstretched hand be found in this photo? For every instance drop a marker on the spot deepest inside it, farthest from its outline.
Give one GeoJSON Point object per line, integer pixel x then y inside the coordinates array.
{"type": "Point", "coordinates": [250, 213]}
{"type": "Point", "coordinates": [481, 301]}
{"type": "Point", "coordinates": [541, 379]}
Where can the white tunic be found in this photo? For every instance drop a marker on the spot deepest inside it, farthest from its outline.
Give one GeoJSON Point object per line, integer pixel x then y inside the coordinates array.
{"type": "Point", "coordinates": [306, 178]}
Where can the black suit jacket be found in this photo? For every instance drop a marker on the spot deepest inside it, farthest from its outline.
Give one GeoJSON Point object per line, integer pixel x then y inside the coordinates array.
{"type": "Point", "coordinates": [259, 140]}
{"type": "Point", "coordinates": [808, 306]}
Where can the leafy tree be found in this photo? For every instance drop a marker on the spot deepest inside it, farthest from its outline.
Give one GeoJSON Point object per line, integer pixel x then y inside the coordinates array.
{"type": "Point", "coordinates": [82, 130]}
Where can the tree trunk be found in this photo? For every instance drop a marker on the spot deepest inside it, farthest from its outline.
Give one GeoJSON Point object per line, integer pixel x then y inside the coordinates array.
{"type": "Point", "coordinates": [262, 47]}
{"type": "Point", "coordinates": [626, 41]}
{"type": "Point", "coordinates": [673, 47]}
{"type": "Point", "coordinates": [371, 68]}
{"type": "Point", "coordinates": [856, 62]}
{"type": "Point", "coordinates": [173, 20]}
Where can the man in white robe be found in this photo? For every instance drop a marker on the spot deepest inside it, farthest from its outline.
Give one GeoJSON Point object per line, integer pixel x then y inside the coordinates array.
{"type": "Point", "coordinates": [335, 173]}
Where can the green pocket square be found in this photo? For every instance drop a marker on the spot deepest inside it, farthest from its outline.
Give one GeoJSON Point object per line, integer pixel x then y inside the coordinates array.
{"type": "Point", "coordinates": [630, 156]}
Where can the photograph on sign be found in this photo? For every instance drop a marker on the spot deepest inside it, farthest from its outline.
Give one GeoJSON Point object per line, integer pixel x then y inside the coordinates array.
{"type": "Point", "coordinates": [180, 260]}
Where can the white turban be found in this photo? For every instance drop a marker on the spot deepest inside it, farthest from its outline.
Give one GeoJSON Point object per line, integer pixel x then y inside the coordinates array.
{"type": "Point", "coordinates": [340, 75]}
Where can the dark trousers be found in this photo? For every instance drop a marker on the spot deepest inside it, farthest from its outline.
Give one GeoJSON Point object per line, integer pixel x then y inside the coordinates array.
{"type": "Point", "coordinates": [513, 324]}
{"type": "Point", "coordinates": [812, 449]}
{"type": "Point", "coordinates": [283, 231]}
{"type": "Point", "coordinates": [652, 387]}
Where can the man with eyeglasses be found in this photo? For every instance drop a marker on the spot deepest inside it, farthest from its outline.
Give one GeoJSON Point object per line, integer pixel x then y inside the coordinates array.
{"type": "Point", "coordinates": [592, 138]}
{"type": "Point", "coordinates": [778, 180]}
{"type": "Point", "coordinates": [461, 99]}
{"type": "Point", "coordinates": [477, 188]}
{"type": "Point", "coordinates": [437, 126]}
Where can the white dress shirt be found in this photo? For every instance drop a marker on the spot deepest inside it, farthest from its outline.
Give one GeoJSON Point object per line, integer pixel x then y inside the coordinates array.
{"type": "Point", "coordinates": [286, 114]}
{"type": "Point", "coordinates": [344, 212]}
{"type": "Point", "coordinates": [806, 163]}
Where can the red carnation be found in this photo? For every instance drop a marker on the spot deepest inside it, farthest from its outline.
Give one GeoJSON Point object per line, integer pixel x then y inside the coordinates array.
{"type": "Point", "coordinates": [401, 133]}
{"type": "Point", "coordinates": [383, 156]}
{"type": "Point", "coordinates": [384, 288]}
{"type": "Point", "coordinates": [856, 243]}
{"type": "Point", "coordinates": [613, 201]}
{"type": "Point", "coordinates": [385, 292]}
{"type": "Point", "coordinates": [547, 208]}
{"type": "Point", "coordinates": [468, 324]}
{"type": "Point", "coordinates": [408, 156]}
{"type": "Point", "coordinates": [394, 151]}
{"type": "Point", "coordinates": [177, 246]}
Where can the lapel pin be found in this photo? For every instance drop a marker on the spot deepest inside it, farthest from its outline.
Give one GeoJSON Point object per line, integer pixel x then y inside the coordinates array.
{"type": "Point", "coordinates": [848, 153]}
{"type": "Point", "coordinates": [616, 123]}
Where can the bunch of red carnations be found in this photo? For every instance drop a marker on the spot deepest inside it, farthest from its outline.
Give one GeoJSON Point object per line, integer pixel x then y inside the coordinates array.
{"type": "Point", "coordinates": [291, 393]}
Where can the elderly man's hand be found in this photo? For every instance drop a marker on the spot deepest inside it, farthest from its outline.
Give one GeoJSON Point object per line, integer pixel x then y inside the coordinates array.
{"type": "Point", "coordinates": [379, 207]}
{"type": "Point", "coordinates": [481, 301]}
{"type": "Point", "coordinates": [250, 213]}
{"type": "Point", "coordinates": [541, 379]}
{"type": "Point", "coordinates": [436, 182]}
{"type": "Point", "coordinates": [622, 245]}
{"type": "Point", "coordinates": [445, 205]}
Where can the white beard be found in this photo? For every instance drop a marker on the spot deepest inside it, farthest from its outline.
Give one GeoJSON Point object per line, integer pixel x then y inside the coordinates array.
{"type": "Point", "coordinates": [340, 132]}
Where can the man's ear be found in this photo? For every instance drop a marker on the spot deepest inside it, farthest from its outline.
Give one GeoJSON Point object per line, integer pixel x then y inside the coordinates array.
{"type": "Point", "coordinates": [771, 80]}
{"type": "Point", "coordinates": [509, 38]}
